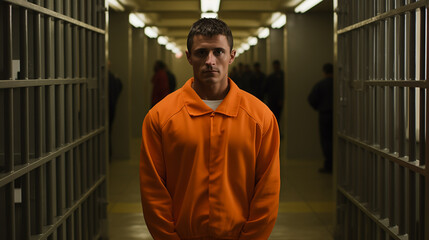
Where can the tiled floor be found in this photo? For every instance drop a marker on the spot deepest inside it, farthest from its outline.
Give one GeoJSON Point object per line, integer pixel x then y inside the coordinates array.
{"type": "Point", "coordinates": [306, 201]}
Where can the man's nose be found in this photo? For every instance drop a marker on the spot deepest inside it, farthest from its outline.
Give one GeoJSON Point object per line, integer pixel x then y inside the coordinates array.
{"type": "Point", "coordinates": [210, 60]}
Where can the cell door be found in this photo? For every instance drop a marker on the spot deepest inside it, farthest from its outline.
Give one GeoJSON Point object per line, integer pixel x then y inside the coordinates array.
{"type": "Point", "coordinates": [382, 119]}
{"type": "Point", "coordinates": [52, 119]}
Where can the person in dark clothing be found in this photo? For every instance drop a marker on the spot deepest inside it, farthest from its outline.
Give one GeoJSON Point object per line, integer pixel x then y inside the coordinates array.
{"type": "Point", "coordinates": [115, 88]}
{"type": "Point", "coordinates": [274, 90]}
{"type": "Point", "coordinates": [171, 81]}
{"type": "Point", "coordinates": [321, 99]}
{"type": "Point", "coordinates": [258, 82]}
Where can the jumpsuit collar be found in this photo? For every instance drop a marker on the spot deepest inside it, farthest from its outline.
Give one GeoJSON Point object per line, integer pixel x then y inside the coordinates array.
{"type": "Point", "coordinates": [196, 107]}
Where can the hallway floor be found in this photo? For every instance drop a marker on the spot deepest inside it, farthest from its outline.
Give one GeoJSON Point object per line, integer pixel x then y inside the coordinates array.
{"type": "Point", "coordinates": [306, 201]}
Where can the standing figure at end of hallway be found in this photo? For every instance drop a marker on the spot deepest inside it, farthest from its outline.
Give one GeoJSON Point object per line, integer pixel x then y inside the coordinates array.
{"type": "Point", "coordinates": [209, 160]}
{"type": "Point", "coordinates": [321, 99]}
{"type": "Point", "coordinates": [160, 82]}
{"type": "Point", "coordinates": [275, 90]}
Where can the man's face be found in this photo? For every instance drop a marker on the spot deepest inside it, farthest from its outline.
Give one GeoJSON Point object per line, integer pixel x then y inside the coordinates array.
{"type": "Point", "coordinates": [210, 57]}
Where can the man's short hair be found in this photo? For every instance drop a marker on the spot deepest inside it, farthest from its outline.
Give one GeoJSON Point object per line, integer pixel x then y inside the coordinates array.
{"type": "Point", "coordinates": [209, 27]}
{"type": "Point", "coordinates": [328, 68]}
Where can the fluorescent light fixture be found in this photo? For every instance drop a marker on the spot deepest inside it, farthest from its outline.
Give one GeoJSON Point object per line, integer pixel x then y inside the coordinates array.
{"type": "Point", "coordinates": [208, 15]}
{"type": "Point", "coordinates": [135, 20]}
{"type": "Point", "coordinates": [162, 40]}
{"type": "Point", "coordinates": [210, 5]}
{"type": "Point", "coordinates": [151, 32]}
{"type": "Point", "coordinates": [179, 54]}
{"type": "Point", "coordinates": [252, 41]}
{"type": "Point", "coordinates": [170, 46]}
{"type": "Point", "coordinates": [279, 22]}
{"type": "Point", "coordinates": [306, 5]}
{"type": "Point", "coordinates": [115, 5]}
{"type": "Point", "coordinates": [245, 46]}
{"type": "Point", "coordinates": [263, 32]}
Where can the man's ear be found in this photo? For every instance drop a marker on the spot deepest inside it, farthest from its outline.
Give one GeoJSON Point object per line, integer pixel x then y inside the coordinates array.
{"type": "Point", "coordinates": [232, 55]}
{"type": "Point", "coordinates": [188, 56]}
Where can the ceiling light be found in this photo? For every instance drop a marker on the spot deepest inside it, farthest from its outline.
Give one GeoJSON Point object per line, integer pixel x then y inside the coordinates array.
{"type": "Point", "coordinates": [170, 46]}
{"type": "Point", "coordinates": [162, 40]}
{"type": "Point", "coordinates": [245, 46]}
{"type": "Point", "coordinates": [115, 5]}
{"type": "Point", "coordinates": [279, 22]}
{"type": "Point", "coordinates": [252, 41]}
{"type": "Point", "coordinates": [240, 50]}
{"type": "Point", "coordinates": [263, 32]}
{"type": "Point", "coordinates": [179, 54]}
{"type": "Point", "coordinates": [306, 5]}
{"type": "Point", "coordinates": [209, 15]}
{"type": "Point", "coordinates": [210, 5]}
{"type": "Point", "coordinates": [135, 20]}
{"type": "Point", "coordinates": [151, 32]}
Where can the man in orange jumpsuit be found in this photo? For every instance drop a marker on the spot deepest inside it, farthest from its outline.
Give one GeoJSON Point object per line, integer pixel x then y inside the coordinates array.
{"type": "Point", "coordinates": [209, 167]}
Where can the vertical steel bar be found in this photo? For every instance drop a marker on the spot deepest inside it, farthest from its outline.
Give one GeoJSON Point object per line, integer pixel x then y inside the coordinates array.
{"type": "Point", "coordinates": [40, 207]}
{"type": "Point", "coordinates": [8, 96]}
{"type": "Point", "coordinates": [8, 41]}
{"type": "Point", "coordinates": [10, 211]}
{"type": "Point", "coordinates": [25, 126]}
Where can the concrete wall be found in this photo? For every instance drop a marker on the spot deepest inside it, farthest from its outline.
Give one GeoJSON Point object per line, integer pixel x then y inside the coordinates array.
{"type": "Point", "coordinates": [120, 64]}
{"type": "Point", "coordinates": [309, 46]}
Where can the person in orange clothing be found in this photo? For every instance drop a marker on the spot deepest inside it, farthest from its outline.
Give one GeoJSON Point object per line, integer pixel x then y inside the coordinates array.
{"type": "Point", "coordinates": [209, 163]}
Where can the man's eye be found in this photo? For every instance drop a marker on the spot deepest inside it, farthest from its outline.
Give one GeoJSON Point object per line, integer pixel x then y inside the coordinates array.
{"type": "Point", "coordinates": [218, 52]}
{"type": "Point", "coordinates": [201, 53]}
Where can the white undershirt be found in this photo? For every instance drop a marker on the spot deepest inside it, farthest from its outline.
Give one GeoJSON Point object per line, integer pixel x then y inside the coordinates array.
{"type": "Point", "coordinates": [213, 104]}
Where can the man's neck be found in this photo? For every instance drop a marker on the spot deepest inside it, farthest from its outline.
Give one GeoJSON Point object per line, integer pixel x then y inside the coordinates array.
{"type": "Point", "coordinates": [211, 91]}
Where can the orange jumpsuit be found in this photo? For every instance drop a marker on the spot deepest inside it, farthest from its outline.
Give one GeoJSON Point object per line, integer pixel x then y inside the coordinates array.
{"type": "Point", "coordinates": [210, 175]}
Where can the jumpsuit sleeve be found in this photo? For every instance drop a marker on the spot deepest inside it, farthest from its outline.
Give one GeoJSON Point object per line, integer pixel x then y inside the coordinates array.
{"type": "Point", "coordinates": [265, 203]}
{"type": "Point", "coordinates": [156, 201]}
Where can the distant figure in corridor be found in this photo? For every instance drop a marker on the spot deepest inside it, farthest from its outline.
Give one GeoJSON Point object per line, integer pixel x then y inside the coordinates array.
{"type": "Point", "coordinates": [275, 90]}
{"type": "Point", "coordinates": [160, 82]}
{"type": "Point", "coordinates": [209, 161]}
{"type": "Point", "coordinates": [321, 99]}
{"type": "Point", "coordinates": [258, 82]}
{"type": "Point", "coordinates": [115, 88]}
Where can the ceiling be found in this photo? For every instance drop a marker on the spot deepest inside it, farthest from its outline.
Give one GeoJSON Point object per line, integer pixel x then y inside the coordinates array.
{"type": "Point", "coordinates": [174, 17]}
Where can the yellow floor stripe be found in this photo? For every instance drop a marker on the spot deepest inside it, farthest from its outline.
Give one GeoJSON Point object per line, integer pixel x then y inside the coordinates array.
{"type": "Point", "coordinates": [125, 208]}
{"type": "Point", "coordinates": [306, 207]}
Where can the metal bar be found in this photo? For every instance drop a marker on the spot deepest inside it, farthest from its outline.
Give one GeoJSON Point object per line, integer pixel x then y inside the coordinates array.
{"type": "Point", "coordinates": [414, 166]}
{"type": "Point", "coordinates": [23, 44]}
{"type": "Point", "coordinates": [383, 16]}
{"type": "Point", "coordinates": [76, 111]}
{"type": "Point", "coordinates": [69, 179]}
{"type": "Point", "coordinates": [10, 211]}
{"type": "Point", "coordinates": [9, 147]}
{"type": "Point", "coordinates": [84, 109]}
{"type": "Point", "coordinates": [44, 82]}
{"type": "Point", "coordinates": [40, 207]}
{"type": "Point", "coordinates": [50, 192]}
{"type": "Point", "coordinates": [60, 184]}
{"type": "Point", "coordinates": [72, 210]}
{"type": "Point", "coordinates": [26, 199]}
{"type": "Point", "coordinates": [21, 170]}
{"type": "Point", "coordinates": [8, 39]}
{"type": "Point", "coordinates": [51, 13]}
{"type": "Point", "coordinates": [381, 223]}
